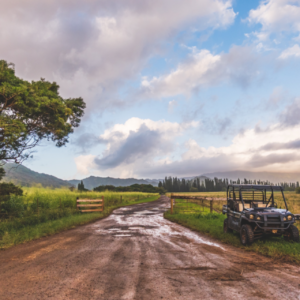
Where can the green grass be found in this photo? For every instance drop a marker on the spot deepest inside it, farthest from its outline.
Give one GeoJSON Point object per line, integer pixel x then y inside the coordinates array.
{"type": "Point", "coordinates": [57, 212]}
{"type": "Point", "coordinates": [193, 217]}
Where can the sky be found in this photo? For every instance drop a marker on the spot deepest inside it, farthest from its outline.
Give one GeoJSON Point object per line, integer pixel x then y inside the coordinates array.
{"type": "Point", "coordinates": [172, 88]}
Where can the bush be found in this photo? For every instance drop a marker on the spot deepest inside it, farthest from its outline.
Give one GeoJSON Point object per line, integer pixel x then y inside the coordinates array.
{"type": "Point", "coordinates": [298, 190]}
{"type": "Point", "coordinates": [13, 206]}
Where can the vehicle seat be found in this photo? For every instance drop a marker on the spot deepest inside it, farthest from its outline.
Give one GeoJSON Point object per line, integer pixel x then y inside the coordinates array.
{"type": "Point", "coordinates": [260, 205]}
{"type": "Point", "coordinates": [246, 205]}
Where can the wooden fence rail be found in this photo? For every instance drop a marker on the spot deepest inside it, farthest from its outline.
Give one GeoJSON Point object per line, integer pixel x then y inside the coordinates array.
{"type": "Point", "coordinates": [98, 204]}
{"type": "Point", "coordinates": [196, 198]}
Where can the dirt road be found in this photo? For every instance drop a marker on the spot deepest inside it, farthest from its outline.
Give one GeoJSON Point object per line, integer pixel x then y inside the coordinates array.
{"type": "Point", "coordinates": [136, 254]}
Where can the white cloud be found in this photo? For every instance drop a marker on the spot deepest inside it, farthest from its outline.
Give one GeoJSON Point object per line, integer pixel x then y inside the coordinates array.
{"type": "Point", "coordinates": [84, 163]}
{"type": "Point", "coordinates": [92, 47]}
{"type": "Point", "coordinates": [290, 52]}
{"type": "Point", "coordinates": [276, 16]}
{"type": "Point", "coordinates": [204, 69]}
{"type": "Point", "coordinates": [147, 148]}
{"type": "Point", "coordinates": [135, 142]}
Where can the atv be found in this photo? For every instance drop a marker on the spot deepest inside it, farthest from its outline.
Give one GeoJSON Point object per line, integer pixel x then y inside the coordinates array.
{"type": "Point", "coordinates": [252, 211]}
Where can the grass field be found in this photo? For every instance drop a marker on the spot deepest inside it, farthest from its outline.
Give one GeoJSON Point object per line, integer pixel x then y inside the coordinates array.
{"type": "Point", "coordinates": [292, 199]}
{"type": "Point", "coordinates": [41, 212]}
{"type": "Point", "coordinates": [199, 218]}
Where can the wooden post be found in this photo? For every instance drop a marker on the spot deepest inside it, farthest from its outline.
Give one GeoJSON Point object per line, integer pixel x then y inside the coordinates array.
{"type": "Point", "coordinates": [138, 197]}
{"type": "Point", "coordinates": [60, 203]}
{"type": "Point", "coordinates": [171, 204]}
{"type": "Point", "coordinates": [37, 205]}
{"type": "Point", "coordinates": [103, 203]}
{"type": "Point", "coordinates": [77, 203]}
{"type": "Point", "coordinates": [121, 198]}
{"type": "Point", "coordinates": [202, 205]}
{"type": "Point", "coordinates": [211, 206]}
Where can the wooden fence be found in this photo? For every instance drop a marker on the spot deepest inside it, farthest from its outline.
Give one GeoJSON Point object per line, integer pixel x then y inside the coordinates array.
{"type": "Point", "coordinates": [214, 204]}
{"type": "Point", "coordinates": [97, 204]}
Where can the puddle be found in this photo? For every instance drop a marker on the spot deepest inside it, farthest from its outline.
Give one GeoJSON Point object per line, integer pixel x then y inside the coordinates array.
{"type": "Point", "coordinates": [143, 212]}
{"type": "Point", "coordinates": [150, 223]}
{"type": "Point", "coordinates": [122, 235]}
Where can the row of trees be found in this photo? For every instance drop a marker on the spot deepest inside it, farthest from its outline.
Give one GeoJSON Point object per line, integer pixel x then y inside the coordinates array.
{"type": "Point", "coordinates": [213, 185]}
{"type": "Point", "coordinates": [144, 188]}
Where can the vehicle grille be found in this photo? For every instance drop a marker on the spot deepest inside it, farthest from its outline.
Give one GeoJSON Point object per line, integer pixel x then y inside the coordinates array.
{"type": "Point", "coordinates": [273, 218]}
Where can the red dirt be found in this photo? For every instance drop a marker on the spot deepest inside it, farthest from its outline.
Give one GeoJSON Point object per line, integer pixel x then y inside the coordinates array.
{"type": "Point", "coordinates": [136, 254]}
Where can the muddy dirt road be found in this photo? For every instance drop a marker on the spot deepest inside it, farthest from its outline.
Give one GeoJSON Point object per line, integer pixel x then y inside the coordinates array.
{"type": "Point", "coordinates": [136, 254]}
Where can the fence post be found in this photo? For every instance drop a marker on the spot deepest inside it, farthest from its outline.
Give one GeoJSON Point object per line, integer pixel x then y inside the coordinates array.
{"type": "Point", "coordinates": [60, 203]}
{"type": "Point", "coordinates": [211, 206]}
{"type": "Point", "coordinates": [171, 204]}
{"type": "Point", "coordinates": [102, 203]}
{"type": "Point", "coordinates": [121, 198]}
{"type": "Point", "coordinates": [77, 203]}
{"type": "Point", "coordinates": [37, 205]}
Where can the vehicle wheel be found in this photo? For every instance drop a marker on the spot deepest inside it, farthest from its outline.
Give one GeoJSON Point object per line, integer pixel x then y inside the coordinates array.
{"type": "Point", "coordinates": [292, 234]}
{"type": "Point", "coordinates": [246, 235]}
{"type": "Point", "coordinates": [226, 229]}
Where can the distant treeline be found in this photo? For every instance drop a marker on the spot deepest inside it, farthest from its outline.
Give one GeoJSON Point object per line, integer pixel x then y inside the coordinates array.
{"type": "Point", "coordinates": [143, 188]}
{"type": "Point", "coordinates": [213, 185]}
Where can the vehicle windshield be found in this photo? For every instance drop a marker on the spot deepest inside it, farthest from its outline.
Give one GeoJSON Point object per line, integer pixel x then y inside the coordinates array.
{"type": "Point", "coordinates": [241, 197]}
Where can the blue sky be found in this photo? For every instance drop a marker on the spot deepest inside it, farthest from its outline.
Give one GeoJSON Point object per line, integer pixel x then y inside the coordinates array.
{"type": "Point", "coordinates": [176, 88]}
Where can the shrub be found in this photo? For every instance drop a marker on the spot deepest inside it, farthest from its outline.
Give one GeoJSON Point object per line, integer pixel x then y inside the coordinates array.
{"type": "Point", "coordinates": [298, 190]}
{"type": "Point", "coordinates": [13, 206]}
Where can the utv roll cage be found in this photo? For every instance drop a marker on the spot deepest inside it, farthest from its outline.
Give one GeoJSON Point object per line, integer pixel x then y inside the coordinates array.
{"type": "Point", "coordinates": [253, 194]}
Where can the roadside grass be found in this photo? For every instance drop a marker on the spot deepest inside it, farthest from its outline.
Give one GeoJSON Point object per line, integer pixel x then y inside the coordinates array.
{"type": "Point", "coordinates": [292, 199]}
{"type": "Point", "coordinates": [57, 212]}
{"type": "Point", "coordinates": [200, 219]}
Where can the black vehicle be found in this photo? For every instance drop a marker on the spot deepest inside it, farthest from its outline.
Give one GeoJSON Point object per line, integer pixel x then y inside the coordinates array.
{"type": "Point", "coordinates": [252, 211]}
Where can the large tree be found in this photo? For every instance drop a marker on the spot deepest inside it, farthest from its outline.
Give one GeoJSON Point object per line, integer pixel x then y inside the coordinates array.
{"type": "Point", "coordinates": [32, 111]}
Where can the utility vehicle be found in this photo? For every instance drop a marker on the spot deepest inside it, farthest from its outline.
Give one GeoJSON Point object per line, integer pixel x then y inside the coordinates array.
{"type": "Point", "coordinates": [252, 211]}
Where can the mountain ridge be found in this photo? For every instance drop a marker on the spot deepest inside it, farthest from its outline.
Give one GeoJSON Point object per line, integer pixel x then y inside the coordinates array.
{"type": "Point", "coordinates": [274, 177]}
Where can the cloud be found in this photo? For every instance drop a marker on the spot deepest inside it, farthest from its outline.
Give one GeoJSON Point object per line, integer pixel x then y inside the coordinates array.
{"type": "Point", "coordinates": [146, 148]}
{"type": "Point", "coordinates": [92, 47]}
{"type": "Point", "coordinates": [135, 142]}
{"type": "Point", "coordinates": [290, 52]}
{"type": "Point", "coordinates": [203, 69]}
{"type": "Point", "coordinates": [290, 116]}
{"type": "Point", "coordinates": [276, 16]}
{"type": "Point", "coordinates": [279, 146]}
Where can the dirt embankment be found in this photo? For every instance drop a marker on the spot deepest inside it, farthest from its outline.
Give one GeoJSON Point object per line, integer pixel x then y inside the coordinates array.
{"type": "Point", "coordinates": [136, 254]}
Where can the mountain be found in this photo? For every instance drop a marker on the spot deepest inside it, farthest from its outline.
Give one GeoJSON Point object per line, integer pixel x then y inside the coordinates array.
{"type": "Point", "coordinates": [20, 175]}
{"type": "Point", "coordinates": [274, 177]}
{"type": "Point", "coordinates": [93, 181]}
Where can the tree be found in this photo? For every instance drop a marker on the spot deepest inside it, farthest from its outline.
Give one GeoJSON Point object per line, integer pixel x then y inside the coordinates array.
{"type": "Point", "coordinates": [81, 186]}
{"type": "Point", "coordinates": [32, 111]}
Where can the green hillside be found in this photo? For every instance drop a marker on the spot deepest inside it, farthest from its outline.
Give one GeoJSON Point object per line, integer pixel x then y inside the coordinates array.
{"type": "Point", "coordinates": [93, 181]}
{"type": "Point", "coordinates": [23, 176]}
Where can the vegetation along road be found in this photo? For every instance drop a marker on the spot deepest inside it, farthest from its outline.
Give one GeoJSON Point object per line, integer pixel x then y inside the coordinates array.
{"type": "Point", "coordinates": [137, 254]}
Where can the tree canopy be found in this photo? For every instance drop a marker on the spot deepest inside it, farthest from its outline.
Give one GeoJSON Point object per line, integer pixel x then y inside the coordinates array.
{"type": "Point", "coordinates": [32, 111]}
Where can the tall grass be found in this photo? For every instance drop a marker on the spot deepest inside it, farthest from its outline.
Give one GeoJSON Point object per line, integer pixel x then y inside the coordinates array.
{"type": "Point", "coordinates": [42, 211]}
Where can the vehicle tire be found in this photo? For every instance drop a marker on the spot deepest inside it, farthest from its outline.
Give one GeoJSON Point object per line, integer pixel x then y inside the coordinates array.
{"type": "Point", "coordinates": [246, 235]}
{"type": "Point", "coordinates": [292, 234]}
{"type": "Point", "coordinates": [226, 229]}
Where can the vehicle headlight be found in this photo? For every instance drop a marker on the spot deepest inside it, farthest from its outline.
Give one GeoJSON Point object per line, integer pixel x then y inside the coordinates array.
{"type": "Point", "coordinates": [289, 217]}
{"type": "Point", "coordinates": [257, 218]}
{"type": "Point", "coordinates": [284, 219]}
{"type": "Point", "coordinates": [251, 217]}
